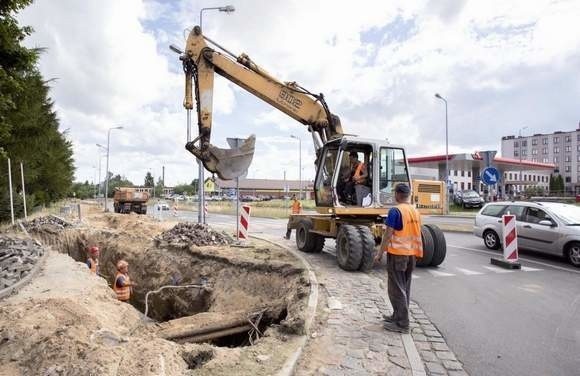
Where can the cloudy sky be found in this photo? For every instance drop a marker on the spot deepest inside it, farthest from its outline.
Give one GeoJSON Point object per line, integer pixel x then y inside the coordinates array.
{"type": "Point", "coordinates": [502, 65]}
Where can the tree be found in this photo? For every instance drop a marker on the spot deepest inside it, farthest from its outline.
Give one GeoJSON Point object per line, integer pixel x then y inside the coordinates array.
{"type": "Point", "coordinates": [159, 187]}
{"type": "Point", "coordinates": [184, 189]}
{"type": "Point", "coordinates": [118, 181]}
{"type": "Point", "coordinates": [82, 190]}
{"type": "Point", "coordinates": [195, 185]}
{"type": "Point", "coordinates": [149, 181]}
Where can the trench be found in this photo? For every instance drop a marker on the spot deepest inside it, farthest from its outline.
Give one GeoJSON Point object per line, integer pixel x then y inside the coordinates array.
{"type": "Point", "coordinates": [253, 298]}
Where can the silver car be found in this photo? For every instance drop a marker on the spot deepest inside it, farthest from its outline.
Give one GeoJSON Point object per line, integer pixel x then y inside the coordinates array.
{"type": "Point", "coordinates": [546, 227]}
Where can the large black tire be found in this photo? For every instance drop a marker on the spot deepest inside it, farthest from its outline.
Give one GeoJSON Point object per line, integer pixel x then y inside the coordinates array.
{"type": "Point", "coordinates": [348, 248]}
{"type": "Point", "coordinates": [491, 240]}
{"type": "Point", "coordinates": [307, 241]}
{"type": "Point", "coordinates": [428, 247]}
{"type": "Point", "coordinates": [440, 250]}
{"type": "Point", "coordinates": [368, 248]}
{"type": "Point", "coordinates": [572, 253]}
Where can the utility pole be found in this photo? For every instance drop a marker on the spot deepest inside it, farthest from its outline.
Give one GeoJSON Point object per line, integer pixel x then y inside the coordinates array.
{"type": "Point", "coordinates": [23, 190]}
{"type": "Point", "coordinates": [10, 189]}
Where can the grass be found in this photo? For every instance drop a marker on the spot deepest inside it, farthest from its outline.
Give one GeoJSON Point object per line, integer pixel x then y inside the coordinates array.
{"type": "Point", "coordinates": [267, 209]}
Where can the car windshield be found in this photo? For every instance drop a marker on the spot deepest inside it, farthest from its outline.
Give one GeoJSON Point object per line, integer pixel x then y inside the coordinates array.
{"type": "Point", "coordinates": [569, 214]}
{"type": "Point", "coordinates": [470, 194]}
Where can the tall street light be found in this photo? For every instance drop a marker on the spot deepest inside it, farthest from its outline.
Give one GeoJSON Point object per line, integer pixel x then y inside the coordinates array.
{"type": "Point", "coordinates": [227, 9]}
{"type": "Point", "coordinates": [107, 170]}
{"type": "Point", "coordinates": [437, 95]}
{"type": "Point", "coordinates": [299, 164]}
{"type": "Point", "coordinates": [520, 153]}
{"type": "Point", "coordinates": [100, 159]}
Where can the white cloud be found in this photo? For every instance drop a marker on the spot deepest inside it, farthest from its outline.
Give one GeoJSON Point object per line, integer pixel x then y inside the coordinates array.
{"type": "Point", "coordinates": [378, 64]}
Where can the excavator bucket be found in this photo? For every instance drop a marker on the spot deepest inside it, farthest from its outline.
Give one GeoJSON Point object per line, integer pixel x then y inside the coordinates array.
{"type": "Point", "coordinates": [229, 163]}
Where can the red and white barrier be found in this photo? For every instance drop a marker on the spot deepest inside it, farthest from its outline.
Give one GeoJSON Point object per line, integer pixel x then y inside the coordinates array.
{"type": "Point", "coordinates": [244, 222]}
{"type": "Point", "coordinates": [510, 238]}
{"type": "Point", "coordinates": [205, 208]}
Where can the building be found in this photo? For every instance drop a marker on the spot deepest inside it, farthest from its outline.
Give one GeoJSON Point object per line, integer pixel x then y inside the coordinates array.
{"type": "Point", "coordinates": [560, 148]}
{"type": "Point", "coordinates": [261, 187]}
{"type": "Point", "coordinates": [166, 190]}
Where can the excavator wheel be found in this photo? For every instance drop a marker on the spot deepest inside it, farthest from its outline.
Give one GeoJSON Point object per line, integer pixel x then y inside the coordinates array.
{"type": "Point", "coordinates": [440, 250]}
{"type": "Point", "coordinates": [349, 249]}
{"type": "Point", "coordinates": [307, 241]}
{"type": "Point", "coordinates": [368, 248]}
{"type": "Point", "coordinates": [428, 247]}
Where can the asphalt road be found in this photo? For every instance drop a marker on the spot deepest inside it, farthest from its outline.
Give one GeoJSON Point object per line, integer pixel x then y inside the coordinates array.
{"type": "Point", "coordinates": [501, 322]}
{"type": "Point", "coordinates": [497, 321]}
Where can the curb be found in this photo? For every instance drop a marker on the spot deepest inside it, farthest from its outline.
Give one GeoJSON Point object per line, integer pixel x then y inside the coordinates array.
{"type": "Point", "coordinates": [290, 365]}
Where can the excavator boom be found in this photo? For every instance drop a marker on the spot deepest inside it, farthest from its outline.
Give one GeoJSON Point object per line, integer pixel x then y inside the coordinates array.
{"type": "Point", "coordinates": [201, 62]}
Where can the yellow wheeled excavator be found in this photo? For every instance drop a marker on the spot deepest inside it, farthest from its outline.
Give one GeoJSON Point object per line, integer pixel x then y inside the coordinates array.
{"type": "Point", "coordinates": [356, 224]}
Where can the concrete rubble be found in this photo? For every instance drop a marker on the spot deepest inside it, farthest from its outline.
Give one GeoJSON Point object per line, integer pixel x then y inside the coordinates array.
{"type": "Point", "coordinates": [197, 234]}
{"type": "Point", "coordinates": [17, 258]}
{"type": "Point", "coordinates": [50, 224]}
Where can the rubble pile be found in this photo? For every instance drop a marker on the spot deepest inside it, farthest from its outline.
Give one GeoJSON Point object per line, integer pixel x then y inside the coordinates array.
{"type": "Point", "coordinates": [50, 223]}
{"type": "Point", "coordinates": [17, 258]}
{"type": "Point", "coordinates": [197, 234]}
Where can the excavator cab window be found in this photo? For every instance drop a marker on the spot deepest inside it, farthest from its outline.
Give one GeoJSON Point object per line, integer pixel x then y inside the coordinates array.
{"type": "Point", "coordinates": [323, 185]}
{"type": "Point", "coordinates": [392, 170]}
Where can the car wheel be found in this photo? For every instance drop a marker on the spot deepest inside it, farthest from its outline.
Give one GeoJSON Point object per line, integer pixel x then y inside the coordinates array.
{"type": "Point", "coordinates": [573, 254]}
{"type": "Point", "coordinates": [491, 240]}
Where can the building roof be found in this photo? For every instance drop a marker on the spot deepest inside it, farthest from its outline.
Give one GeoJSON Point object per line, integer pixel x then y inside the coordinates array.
{"type": "Point", "coordinates": [264, 184]}
{"type": "Point", "coordinates": [469, 161]}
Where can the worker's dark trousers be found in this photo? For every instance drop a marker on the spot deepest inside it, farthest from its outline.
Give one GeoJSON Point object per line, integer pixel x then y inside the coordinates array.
{"type": "Point", "coordinates": [400, 270]}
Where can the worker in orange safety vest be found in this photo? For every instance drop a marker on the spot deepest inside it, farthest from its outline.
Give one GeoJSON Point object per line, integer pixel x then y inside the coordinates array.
{"type": "Point", "coordinates": [93, 260]}
{"type": "Point", "coordinates": [123, 285]}
{"type": "Point", "coordinates": [402, 243]}
{"type": "Point", "coordinates": [296, 207]}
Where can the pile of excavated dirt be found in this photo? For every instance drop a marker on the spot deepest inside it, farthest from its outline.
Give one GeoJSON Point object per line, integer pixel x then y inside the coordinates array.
{"type": "Point", "coordinates": [187, 233]}
{"type": "Point", "coordinates": [17, 258]}
{"type": "Point", "coordinates": [67, 321]}
{"type": "Point", "coordinates": [48, 224]}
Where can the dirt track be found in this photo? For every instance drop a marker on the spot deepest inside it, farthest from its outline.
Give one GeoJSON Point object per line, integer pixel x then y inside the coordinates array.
{"type": "Point", "coordinates": [68, 322]}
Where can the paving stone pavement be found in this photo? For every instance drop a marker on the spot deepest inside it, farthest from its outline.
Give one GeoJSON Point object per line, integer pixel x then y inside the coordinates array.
{"type": "Point", "coordinates": [352, 341]}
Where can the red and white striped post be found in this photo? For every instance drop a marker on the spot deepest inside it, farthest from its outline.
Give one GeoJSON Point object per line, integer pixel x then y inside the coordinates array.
{"type": "Point", "coordinates": [510, 243]}
{"type": "Point", "coordinates": [244, 222]}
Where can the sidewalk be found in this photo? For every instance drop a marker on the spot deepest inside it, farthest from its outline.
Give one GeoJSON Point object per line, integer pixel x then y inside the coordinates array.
{"type": "Point", "coordinates": [348, 336]}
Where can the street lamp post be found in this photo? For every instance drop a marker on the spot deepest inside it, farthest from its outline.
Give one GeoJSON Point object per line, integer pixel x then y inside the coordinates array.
{"type": "Point", "coordinates": [299, 165]}
{"type": "Point", "coordinates": [446, 153]}
{"type": "Point", "coordinates": [520, 154]}
{"type": "Point", "coordinates": [227, 9]}
{"type": "Point", "coordinates": [107, 170]}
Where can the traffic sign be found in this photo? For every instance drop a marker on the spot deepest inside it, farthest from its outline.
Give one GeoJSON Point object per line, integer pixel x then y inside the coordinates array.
{"type": "Point", "coordinates": [490, 176]}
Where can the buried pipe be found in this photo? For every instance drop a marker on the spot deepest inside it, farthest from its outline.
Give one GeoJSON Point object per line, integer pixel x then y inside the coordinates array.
{"type": "Point", "coordinates": [202, 286]}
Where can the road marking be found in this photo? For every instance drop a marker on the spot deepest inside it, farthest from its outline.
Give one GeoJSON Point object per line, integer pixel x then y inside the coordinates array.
{"type": "Point", "coordinates": [468, 272]}
{"type": "Point", "coordinates": [415, 276]}
{"type": "Point", "coordinates": [491, 253]}
{"type": "Point", "coordinates": [437, 273]}
{"type": "Point", "coordinates": [528, 269]}
{"type": "Point", "coordinates": [497, 270]}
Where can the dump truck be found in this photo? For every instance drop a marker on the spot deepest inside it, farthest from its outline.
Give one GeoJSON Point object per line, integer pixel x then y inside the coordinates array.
{"type": "Point", "coordinates": [127, 200]}
{"type": "Point", "coordinates": [357, 225]}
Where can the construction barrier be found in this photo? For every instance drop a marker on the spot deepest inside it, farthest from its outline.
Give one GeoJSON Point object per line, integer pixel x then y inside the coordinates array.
{"type": "Point", "coordinates": [205, 208]}
{"type": "Point", "coordinates": [510, 238]}
{"type": "Point", "coordinates": [244, 222]}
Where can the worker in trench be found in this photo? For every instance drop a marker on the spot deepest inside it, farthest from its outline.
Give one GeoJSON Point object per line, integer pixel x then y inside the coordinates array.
{"type": "Point", "coordinates": [123, 285]}
{"type": "Point", "coordinates": [93, 260]}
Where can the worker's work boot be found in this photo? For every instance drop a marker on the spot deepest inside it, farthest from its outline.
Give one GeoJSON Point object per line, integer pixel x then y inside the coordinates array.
{"type": "Point", "coordinates": [394, 327]}
{"type": "Point", "coordinates": [388, 318]}
{"type": "Point", "coordinates": [287, 236]}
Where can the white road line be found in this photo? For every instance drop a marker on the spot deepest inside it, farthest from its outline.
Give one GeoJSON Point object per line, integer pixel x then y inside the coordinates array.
{"type": "Point", "coordinates": [415, 276]}
{"type": "Point", "coordinates": [437, 273]}
{"type": "Point", "coordinates": [497, 270]}
{"type": "Point", "coordinates": [497, 254]}
{"type": "Point", "coordinates": [528, 269]}
{"type": "Point", "coordinates": [468, 272]}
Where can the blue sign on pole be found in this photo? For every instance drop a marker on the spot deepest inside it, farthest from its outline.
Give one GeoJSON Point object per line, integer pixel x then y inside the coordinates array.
{"type": "Point", "coordinates": [490, 176]}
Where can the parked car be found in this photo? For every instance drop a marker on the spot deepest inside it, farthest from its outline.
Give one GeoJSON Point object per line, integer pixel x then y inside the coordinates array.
{"type": "Point", "coordinates": [468, 199]}
{"type": "Point", "coordinates": [162, 206]}
{"type": "Point", "coordinates": [546, 227]}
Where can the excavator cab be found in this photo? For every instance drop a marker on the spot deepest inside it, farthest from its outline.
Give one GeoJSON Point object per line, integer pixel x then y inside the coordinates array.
{"type": "Point", "coordinates": [380, 165]}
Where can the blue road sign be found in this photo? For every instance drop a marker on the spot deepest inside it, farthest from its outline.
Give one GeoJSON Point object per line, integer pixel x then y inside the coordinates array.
{"type": "Point", "coordinates": [490, 176]}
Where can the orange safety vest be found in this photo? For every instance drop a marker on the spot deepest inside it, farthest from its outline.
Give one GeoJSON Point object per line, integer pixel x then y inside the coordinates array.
{"type": "Point", "coordinates": [123, 293]}
{"type": "Point", "coordinates": [94, 265]}
{"type": "Point", "coordinates": [407, 241]}
{"type": "Point", "coordinates": [358, 172]}
{"type": "Point", "coordinates": [296, 207]}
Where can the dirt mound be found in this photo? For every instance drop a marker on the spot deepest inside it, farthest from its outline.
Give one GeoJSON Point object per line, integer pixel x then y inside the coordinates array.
{"type": "Point", "coordinates": [17, 258]}
{"type": "Point", "coordinates": [188, 234]}
{"type": "Point", "coordinates": [49, 224]}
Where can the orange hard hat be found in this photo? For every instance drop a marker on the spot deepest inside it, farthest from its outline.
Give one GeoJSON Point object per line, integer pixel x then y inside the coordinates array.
{"type": "Point", "coordinates": [93, 250]}
{"type": "Point", "coordinates": [122, 263]}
